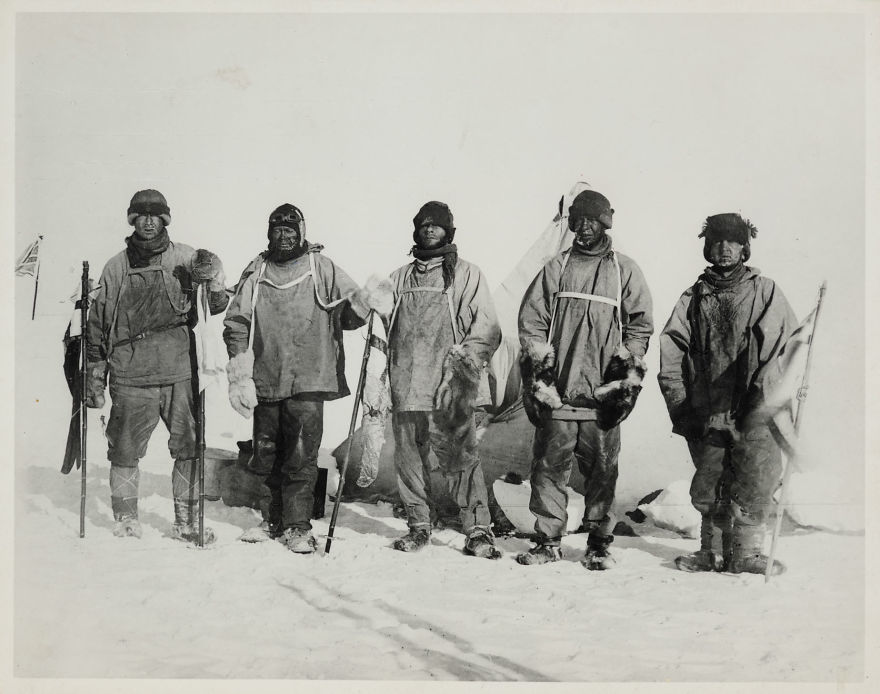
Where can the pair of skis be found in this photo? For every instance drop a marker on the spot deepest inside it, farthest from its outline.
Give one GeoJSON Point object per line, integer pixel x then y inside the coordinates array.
{"type": "Point", "coordinates": [77, 435]}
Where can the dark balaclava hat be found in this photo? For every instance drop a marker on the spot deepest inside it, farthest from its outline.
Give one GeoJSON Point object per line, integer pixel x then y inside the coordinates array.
{"type": "Point", "coordinates": [593, 205]}
{"type": "Point", "coordinates": [149, 202]}
{"type": "Point", "coordinates": [287, 215]}
{"type": "Point", "coordinates": [728, 226]}
{"type": "Point", "coordinates": [437, 213]}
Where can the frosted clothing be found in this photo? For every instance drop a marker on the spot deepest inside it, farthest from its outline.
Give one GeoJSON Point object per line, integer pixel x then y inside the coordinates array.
{"type": "Point", "coordinates": [139, 318]}
{"type": "Point", "coordinates": [586, 333]}
{"type": "Point", "coordinates": [301, 311]}
{"type": "Point", "coordinates": [415, 435]}
{"type": "Point", "coordinates": [596, 451]}
{"type": "Point", "coordinates": [427, 321]}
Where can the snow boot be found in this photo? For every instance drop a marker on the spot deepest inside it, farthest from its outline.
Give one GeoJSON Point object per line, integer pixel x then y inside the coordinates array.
{"type": "Point", "coordinates": [260, 533]}
{"type": "Point", "coordinates": [128, 526]}
{"type": "Point", "coordinates": [300, 541]}
{"type": "Point", "coordinates": [186, 523]}
{"type": "Point", "coordinates": [707, 558]}
{"type": "Point", "coordinates": [541, 553]}
{"type": "Point", "coordinates": [481, 543]}
{"type": "Point", "coordinates": [413, 541]}
{"type": "Point", "coordinates": [745, 552]}
{"type": "Point", "coordinates": [597, 557]}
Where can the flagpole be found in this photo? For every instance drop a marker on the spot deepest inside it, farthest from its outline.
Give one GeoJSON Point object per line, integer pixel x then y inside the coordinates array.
{"type": "Point", "coordinates": [36, 277]}
{"type": "Point", "coordinates": [802, 400]}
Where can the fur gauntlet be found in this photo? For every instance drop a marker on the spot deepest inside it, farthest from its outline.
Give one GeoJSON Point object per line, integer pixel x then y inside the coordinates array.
{"type": "Point", "coordinates": [456, 396]}
{"type": "Point", "coordinates": [96, 377]}
{"type": "Point", "coordinates": [616, 397]}
{"type": "Point", "coordinates": [377, 295]}
{"type": "Point", "coordinates": [208, 268]}
{"type": "Point", "coordinates": [537, 363]}
{"type": "Point", "coordinates": [242, 391]}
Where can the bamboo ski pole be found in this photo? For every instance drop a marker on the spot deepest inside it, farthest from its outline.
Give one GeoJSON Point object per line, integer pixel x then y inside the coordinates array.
{"type": "Point", "coordinates": [354, 412]}
{"type": "Point", "coordinates": [204, 301]}
{"type": "Point", "coordinates": [83, 411]}
{"type": "Point", "coordinates": [789, 466]}
{"type": "Point", "coordinates": [37, 278]}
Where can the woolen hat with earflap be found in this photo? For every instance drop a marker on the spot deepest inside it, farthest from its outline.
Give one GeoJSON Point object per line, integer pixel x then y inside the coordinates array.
{"type": "Point", "coordinates": [149, 202]}
{"type": "Point", "coordinates": [592, 205]}
{"type": "Point", "coordinates": [285, 215]}
{"type": "Point", "coordinates": [728, 226]}
{"type": "Point", "coordinates": [437, 213]}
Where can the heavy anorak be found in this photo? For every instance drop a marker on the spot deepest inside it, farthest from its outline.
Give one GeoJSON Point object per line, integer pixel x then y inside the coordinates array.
{"type": "Point", "coordinates": [139, 319]}
{"type": "Point", "coordinates": [715, 348]}
{"type": "Point", "coordinates": [427, 321]}
{"type": "Point", "coordinates": [586, 333]}
{"type": "Point", "coordinates": [298, 323]}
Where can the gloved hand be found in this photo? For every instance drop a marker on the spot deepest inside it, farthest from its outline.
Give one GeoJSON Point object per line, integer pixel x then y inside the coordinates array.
{"type": "Point", "coordinates": [208, 268]}
{"type": "Point", "coordinates": [242, 391]}
{"type": "Point", "coordinates": [96, 376]}
{"type": "Point", "coordinates": [376, 295]}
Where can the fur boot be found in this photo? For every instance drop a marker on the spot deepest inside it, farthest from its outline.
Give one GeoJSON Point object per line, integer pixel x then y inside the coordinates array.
{"type": "Point", "coordinates": [377, 295]}
{"type": "Point", "coordinates": [456, 396]}
{"type": "Point", "coordinates": [242, 391]}
{"type": "Point", "coordinates": [537, 363]}
{"type": "Point", "coordinates": [623, 383]}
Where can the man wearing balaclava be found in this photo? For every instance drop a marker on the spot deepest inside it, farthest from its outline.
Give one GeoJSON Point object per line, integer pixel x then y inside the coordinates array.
{"type": "Point", "coordinates": [722, 335]}
{"type": "Point", "coordinates": [584, 324]}
{"type": "Point", "coordinates": [284, 338]}
{"type": "Point", "coordinates": [442, 334]}
{"type": "Point", "coordinates": [139, 332]}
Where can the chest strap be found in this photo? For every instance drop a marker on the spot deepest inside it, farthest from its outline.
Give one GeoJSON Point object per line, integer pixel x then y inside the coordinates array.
{"type": "Point", "coordinates": [146, 333]}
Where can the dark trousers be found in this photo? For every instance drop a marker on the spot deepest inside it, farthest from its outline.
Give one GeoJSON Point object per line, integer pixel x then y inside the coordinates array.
{"type": "Point", "coordinates": [287, 436]}
{"type": "Point", "coordinates": [596, 451]}
{"type": "Point", "coordinates": [415, 436]}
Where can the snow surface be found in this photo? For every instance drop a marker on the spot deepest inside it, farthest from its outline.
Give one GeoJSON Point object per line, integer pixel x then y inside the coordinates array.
{"type": "Point", "coordinates": [155, 608]}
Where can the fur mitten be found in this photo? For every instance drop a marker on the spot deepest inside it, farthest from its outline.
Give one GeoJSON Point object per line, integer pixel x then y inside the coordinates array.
{"type": "Point", "coordinates": [96, 377]}
{"type": "Point", "coordinates": [622, 385]}
{"type": "Point", "coordinates": [242, 391]}
{"type": "Point", "coordinates": [377, 295]}
{"type": "Point", "coordinates": [456, 396]}
{"type": "Point", "coordinates": [208, 268]}
{"type": "Point", "coordinates": [537, 363]}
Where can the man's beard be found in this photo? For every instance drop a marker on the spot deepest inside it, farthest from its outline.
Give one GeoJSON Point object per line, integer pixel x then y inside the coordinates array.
{"type": "Point", "coordinates": [283, 251]}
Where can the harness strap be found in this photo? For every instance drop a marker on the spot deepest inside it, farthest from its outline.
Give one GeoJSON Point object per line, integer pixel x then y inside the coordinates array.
{"type": "Point", "coordinates": [314, 273]}
{"type": "Point", "coordinates": [589, 297]}
{"type": "Point", "coordinates": [411, 290]}
{"type": "Point", "coordinates": [147, 333]}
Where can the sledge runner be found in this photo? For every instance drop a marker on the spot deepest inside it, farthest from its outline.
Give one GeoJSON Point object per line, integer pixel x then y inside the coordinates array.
{"type": "Point", "coordinates": [584, 326]}
{"type": "Point", "coordinates": [443, 332]}
{"type": "Point", "coordinates": [139, 332]}
{"type": "Point", "coordinates": [722, 334]}
{"type": "Point", "coordinates": [284, 338]}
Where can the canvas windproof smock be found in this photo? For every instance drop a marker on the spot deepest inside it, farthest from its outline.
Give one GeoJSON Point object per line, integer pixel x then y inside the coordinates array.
{"type": "Point", "coordinates": [715, 348]}
{"type": "Point", "coordinates": [585, 305]}
{"type": "Point", "coordinates": [427, 321]}
{"type": "Point", "coordinates": [300, 311]}
{"type": "Point", "coordinates": [139, 318]}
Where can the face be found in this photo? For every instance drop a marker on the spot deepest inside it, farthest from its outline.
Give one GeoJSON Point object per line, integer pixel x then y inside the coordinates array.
{"type": "Point", "coordinates": [430, 236]}
{"type": "Point", "coordinates": [725, 254]}
{"type": "Point", "coordinates": [148, 227]}
{"type": "Point", "coordinates": [587, 231]}
{"type": "Point", "coordinates": [286, 238]}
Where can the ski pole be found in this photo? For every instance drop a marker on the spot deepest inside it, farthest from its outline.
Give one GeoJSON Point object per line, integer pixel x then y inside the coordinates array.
{"type": "Point", "coordinates": [357, 401]}
{"type": "Point", "coordinates": [204, 301]}
{"type": "Point", "coordinates": [83, 411]}
{"type": "Point", "coordinates": [802, 401]}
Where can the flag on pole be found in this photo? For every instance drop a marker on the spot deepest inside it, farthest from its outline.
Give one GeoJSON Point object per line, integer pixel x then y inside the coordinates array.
{"type": "Point", "coordinates": [209, 354]}
{"type": "Point", "coordinates": [784, 380]}
{"type": "Point", "coordinates": [29, 261]}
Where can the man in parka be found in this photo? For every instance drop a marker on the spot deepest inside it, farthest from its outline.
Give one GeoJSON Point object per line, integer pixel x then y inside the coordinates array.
{"type": "Point", "coordinates": [442, 334]}
{"type": "Point", "coordinates": [584, 326]}
{"type": "Point", "coordinates": [284, 338]}
{"type": "Point", "coordinates": [722, 335]}
{"type": "Point", "coordinates": [139, 331]}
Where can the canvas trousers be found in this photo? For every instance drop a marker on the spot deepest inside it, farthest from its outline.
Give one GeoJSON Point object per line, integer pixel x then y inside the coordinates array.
{"type": "Point", "coordinates": [415, 436]}
{"type": "Point", "coordinates": [596, 451]}
{"type": "Point", "coordinates": [287, 437]}
{"type": "Point", "coordinates": [134, 415]}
